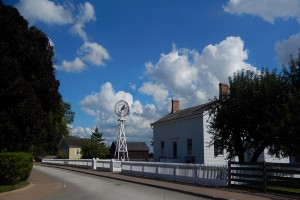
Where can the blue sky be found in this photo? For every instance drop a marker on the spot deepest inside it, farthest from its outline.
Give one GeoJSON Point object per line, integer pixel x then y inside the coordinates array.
{"type": "Point", "coordinates": [148, 52]}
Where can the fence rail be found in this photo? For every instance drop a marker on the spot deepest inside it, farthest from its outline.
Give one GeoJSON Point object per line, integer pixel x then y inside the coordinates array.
{"type": "Point", "coordinates": [213, 175]}
{"type": "Point", "coordinates": [264, 175]}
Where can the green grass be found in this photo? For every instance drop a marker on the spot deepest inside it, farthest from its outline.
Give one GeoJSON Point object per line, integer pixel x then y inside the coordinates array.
{"type": "Point", "coordinates": [284, 189]}
{"type": "Point", "coordinates": [6, 188]}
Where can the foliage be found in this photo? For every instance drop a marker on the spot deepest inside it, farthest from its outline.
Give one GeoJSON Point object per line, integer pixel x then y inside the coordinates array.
{"type": "Point", "coordinates": [32, 113]}
{"type": "Point", "coordinates": [261, 110]}
{"type": "Point", "coordinates": [15, 167]}
{"type": "Point", "coordinates": [94, 147]}
{"type": "Point", "coordinates": [61, 155]}
{"type": "Point", "coordinates": [246, 119]}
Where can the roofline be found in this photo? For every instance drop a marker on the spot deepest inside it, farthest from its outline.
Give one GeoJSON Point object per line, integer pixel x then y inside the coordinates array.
{"type": "Point", "coordinates": [207, 104]}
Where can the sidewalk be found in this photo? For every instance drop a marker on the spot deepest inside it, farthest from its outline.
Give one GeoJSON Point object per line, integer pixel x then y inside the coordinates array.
{"type": "Point", "coordinates": [41, 186]}
{"type": "Point", "coordinates": [44, 186]}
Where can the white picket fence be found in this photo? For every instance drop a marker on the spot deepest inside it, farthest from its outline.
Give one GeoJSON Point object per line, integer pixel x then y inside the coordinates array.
{"type": "Point", "coordinates": [213, 175]}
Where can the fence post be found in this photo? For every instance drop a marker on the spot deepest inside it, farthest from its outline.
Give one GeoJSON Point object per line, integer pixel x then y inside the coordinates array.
{"type": "Point", "coordinates": [229, 174]}
{"type": "Point", "coordinates": [264, 176]}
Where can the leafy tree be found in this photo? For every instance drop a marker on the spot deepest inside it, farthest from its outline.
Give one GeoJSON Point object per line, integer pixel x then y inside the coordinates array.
{"type": "Point", "coordinates": [247, 118]}
{"type": "Point", "coordinates": [290, 140]}
{"type": "Point", "coordinates": [32, 113]}
{"type": "Point", "coordinates": [94, 147]}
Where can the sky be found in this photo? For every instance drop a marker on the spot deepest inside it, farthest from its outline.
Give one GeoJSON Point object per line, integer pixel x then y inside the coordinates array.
{"type": "Point", "coordinates": [148, 52]}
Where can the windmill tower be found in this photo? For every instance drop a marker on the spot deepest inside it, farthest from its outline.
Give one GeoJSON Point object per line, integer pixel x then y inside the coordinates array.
{"type": "Point", "coordinates": [121, 110]}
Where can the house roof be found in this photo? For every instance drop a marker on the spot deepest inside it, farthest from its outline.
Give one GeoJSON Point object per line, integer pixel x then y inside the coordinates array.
{"type": "Point", "coordinates": [134, 146]}
{"type": "Point", "coordinates": [71, 141]}
{"type": "Point", "coordinates": [196, 110]}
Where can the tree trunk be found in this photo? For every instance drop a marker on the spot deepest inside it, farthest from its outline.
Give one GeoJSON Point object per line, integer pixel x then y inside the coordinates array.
{"type": "Point", "coordinates": [258, 152]}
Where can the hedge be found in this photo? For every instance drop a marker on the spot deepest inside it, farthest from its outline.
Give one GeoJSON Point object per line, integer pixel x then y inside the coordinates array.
{"type": "Point", "coordinates": [14, 167]}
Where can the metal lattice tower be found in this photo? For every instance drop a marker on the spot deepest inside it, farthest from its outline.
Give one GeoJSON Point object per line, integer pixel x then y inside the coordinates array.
{"type": "Point", "coordinates": [121, 109]}
{"type": "Point", "coordinates": [121, 151]}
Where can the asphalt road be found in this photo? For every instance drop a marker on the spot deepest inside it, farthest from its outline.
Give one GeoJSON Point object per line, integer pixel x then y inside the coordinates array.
{"type": "Point", "coordinates": [78, 186]}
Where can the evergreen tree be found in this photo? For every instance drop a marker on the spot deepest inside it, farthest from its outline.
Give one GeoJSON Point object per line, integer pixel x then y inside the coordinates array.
{"type": "Point", "coordinates": [94, 147]}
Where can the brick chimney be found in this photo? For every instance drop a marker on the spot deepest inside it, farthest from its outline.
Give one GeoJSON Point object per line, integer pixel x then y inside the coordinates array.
{"type": "Point", "coordinates": [175, 106]}
{"type": "Point", "coordinates": [223, 90]}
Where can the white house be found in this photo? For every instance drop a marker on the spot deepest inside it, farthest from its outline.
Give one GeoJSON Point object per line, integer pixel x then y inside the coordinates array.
{"type": "Point", "coordinates": [182, 136]}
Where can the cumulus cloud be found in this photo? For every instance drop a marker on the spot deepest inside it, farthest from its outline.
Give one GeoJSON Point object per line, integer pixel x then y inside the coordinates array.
{"type": "Point", "coordinates": [287, 47]}
{"type": "Point", "coordinates": [184, 74]}
{"type": "Point", "coordinates": [49, 12]}
{"type": "Point", "coordinates": [101, 105]}
{"type": "Point", "coordinates": [71, 66]}
{"type": "Point", "coordinates": [269, 10]}
{"type": "Point", "coordinates": [94, 53]}
{"type": "Point", "coordinates": [45, 11]}
{"type": "Point", "coordinates": [193, 77]}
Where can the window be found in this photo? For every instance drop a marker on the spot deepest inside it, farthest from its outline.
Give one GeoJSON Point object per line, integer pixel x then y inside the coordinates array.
{"type": "Point", "coordinates": [77, 152]}
{"type": "Point", "coordinates": [174, 149]}
{"type": "Point", "coordinates": [218, 149]}
{"type": "Point", "coordinates": [162, 147]}
{"type": "Point", "coordinates": [189, 146]}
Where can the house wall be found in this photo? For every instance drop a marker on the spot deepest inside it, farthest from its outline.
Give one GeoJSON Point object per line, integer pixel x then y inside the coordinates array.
{"type": "Point", "coordinates": [209, 156]}
{"type": "Point", "coordinates": [74, 153]}
{"type": "Point", "coordinates": [179, 131]}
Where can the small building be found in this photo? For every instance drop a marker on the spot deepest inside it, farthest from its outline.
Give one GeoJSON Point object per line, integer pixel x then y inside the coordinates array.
{"type": "Point", "coordinates": [71, 146]}
{"type": "Point", "coordinates": [137, 151]}
{"type": "Point", "coordinates": [182, 136]}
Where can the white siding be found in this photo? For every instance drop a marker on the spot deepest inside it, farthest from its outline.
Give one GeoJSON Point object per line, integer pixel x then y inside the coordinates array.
{"type": "Point", "coordinates": [179, 130]}
{"type": "Point", "coordinates": [209, 157]}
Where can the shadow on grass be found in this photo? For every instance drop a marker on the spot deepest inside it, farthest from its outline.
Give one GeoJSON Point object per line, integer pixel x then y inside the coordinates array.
{"type": "Point", "coordinates": [6, 188]}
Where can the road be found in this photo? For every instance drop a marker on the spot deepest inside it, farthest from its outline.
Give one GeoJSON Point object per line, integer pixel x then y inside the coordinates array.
{"type": "Point", "coordinates": [78, 186]}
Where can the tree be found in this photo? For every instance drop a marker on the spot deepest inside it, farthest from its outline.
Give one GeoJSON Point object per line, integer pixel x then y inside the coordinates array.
{"type": "Point", "coordinates": [290, 132]}
{"type": "Point", "coordinates": [247, 118]}
{"type": "Point", "coordinates": [94, 147]}
{"type": "Point", "coordinates": [32, 115]}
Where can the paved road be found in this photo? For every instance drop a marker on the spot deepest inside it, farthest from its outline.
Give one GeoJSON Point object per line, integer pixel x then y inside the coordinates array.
{"type": "Point", "coordinates": [82, 186]}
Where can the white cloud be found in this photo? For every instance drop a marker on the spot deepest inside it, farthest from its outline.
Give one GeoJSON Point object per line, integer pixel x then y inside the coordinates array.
{"type": "Point", "coordinates": [269, 10]}
{"type": "Point", "coordinates": [287, 47]}
{"type": "Point", "coordinates": [44, 11]}
{"type": "Point", "coordinates": [192, 77]}
{"type": "Point", "coordinates": [184, 74]}
{"type": "Point", "coordinates": [86, 14]}
{"type": "Point", "coordinates": [94, 53]}
{"type": "Point", "coordinates": [83, 132]}
{"type": "Point", "coordinates": [49, 12]}
{"type": "Point", "coordinates": [74, 66]}
{"type": "Point", "coordinates": [159, 93]}
{"type": "Point", "coordinates": [101, 105]}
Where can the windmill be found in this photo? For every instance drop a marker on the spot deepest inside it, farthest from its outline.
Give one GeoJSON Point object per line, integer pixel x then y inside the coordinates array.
{"type": "Point", "coordinates": [121, 110]}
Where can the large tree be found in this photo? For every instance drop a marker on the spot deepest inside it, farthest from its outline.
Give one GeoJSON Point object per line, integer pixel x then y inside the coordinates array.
{"type": "Point", "coordinates": [248, 118]}
{"type": "Point", "coordinates": [32, 112]}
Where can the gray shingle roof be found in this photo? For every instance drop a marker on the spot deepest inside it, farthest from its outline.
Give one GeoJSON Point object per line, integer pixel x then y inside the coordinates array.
{"type": "Point", "coordinates": [196, 110]}
{"type": "Point", "coordinates": [71, 141]}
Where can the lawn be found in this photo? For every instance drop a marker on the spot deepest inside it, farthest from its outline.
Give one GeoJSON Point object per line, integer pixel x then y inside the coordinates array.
{"type": "Point", "coordinates": [6, 188]}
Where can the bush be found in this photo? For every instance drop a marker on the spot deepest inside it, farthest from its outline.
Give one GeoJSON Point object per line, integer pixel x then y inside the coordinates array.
{"type": "Point", "coordinates": [14, 167]}
{"type": "Point", "coordinates": [61, 155]}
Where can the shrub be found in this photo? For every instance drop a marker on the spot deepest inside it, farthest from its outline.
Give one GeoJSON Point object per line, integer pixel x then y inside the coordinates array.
{"type": "Point", "coordinates": [14, 167]}
{"type": "Point", "coordinates": [61, 155]}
